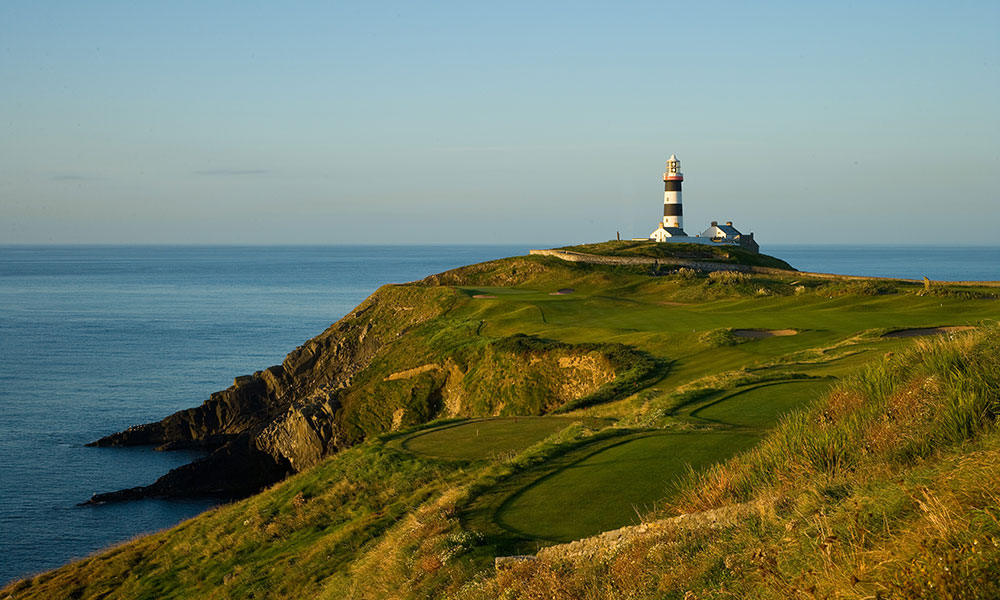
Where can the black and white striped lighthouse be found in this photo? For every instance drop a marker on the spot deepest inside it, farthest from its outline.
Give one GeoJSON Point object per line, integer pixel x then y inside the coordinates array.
{"type": "Point", "coordinates": [673, 211]}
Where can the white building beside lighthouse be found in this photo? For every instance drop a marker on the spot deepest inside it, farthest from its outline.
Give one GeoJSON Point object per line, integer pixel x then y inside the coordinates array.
{"type": "Point", "coordinates": [671, 228]}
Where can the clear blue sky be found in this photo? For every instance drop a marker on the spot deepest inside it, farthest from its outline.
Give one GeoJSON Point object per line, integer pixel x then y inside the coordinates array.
{"type": "Point", "coordinates": [319, 122]}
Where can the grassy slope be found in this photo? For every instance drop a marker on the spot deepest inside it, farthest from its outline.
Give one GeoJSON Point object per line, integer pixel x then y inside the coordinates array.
{"type": "Point", "coordinates": [885, 489]}
{"type": "Point", "coordinates": [502, 372]}
{"type": "Point", "coordinates": [279, 543]}
{"type": "Point", "coordinates": [376, 521]}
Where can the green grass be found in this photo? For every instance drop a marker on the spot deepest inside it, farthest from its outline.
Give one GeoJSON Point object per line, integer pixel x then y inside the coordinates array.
{"type": "Point", "coordinates": [622, 478]}
{"type": "Point", "coordinates": [761, 406]}
{"type": "Point", "coordinates": [484, 438]}
{"type": "Point", "coordinates": [668, 318]}
{"type": "Point", "coordinates": [614, 486]}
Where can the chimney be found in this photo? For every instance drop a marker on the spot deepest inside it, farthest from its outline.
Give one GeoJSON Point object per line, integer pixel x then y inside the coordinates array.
{"type": "Point", "coordinates": [715, 223]}
{"type": "Point", "coordinates": [730, 223]}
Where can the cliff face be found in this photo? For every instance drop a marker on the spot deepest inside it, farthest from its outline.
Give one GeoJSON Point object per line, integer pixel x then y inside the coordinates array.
{"type": "Point", "coordinates": [282, 418]}
{"type": "Point", "coordinates": [375, 370]}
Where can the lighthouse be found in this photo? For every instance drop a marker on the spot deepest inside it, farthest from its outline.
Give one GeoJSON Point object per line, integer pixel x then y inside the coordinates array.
{"type": "Point", "coordinates": [671, 228]}
{"type": "Point", "coordinates": [673, 212]}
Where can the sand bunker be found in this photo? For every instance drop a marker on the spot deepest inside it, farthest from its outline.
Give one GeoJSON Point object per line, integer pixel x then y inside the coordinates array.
{"type": "Point", "coordinates": [562, 292]}
{"type": "Point", "coordinates": [483, 296]}
{"type": "Point", "coordinates": [905, 333]}
{"type": "Point", "coordinates": [758, 334]}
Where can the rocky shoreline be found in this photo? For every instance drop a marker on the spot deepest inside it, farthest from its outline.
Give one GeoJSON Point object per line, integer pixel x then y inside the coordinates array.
{"type": "Point", "coordinates": [266, 425]}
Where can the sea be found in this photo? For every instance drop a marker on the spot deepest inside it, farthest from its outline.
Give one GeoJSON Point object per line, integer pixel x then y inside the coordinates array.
{"type": "Point", "coordinates": [94, 339]}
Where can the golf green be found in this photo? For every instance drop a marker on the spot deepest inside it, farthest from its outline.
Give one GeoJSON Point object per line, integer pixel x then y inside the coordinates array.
{"type": "Point", "coordinates": [763, 405]}
{"type": "Point", "coordinates": [614, 486]}
{"type": "Point", "coordinates": [484, 438]}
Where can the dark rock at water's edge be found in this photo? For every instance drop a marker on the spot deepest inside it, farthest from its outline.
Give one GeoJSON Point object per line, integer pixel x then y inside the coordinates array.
{"type": "Point", "coordinates": [266, 425]}
{"type": "Point", "coordinates": [236, 470]}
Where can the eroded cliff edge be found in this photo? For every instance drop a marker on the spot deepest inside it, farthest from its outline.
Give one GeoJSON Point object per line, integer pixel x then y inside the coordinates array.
{"type": "Point", "coordinates": [399, 359]}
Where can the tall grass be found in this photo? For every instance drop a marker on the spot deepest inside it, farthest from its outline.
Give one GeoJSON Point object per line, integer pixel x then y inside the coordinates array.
{"type": "Point", "coordinates": [938, 393]}
{"type": "Point", "coordinates": [282, 543]}
{"type": "Point", "coordinates": [886, 488]}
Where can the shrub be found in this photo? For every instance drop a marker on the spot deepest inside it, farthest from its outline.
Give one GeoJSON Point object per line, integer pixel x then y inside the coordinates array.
{"type": "Point", "coordinates": [721, 337]}
{"type": "Point", "coordinates": [728, 277]}
{"type": "Point", "coordinates": [863, 287]}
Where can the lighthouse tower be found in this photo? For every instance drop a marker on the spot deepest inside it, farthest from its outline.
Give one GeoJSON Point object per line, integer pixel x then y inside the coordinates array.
{"type": "Point", "coordinates": [673, 213]}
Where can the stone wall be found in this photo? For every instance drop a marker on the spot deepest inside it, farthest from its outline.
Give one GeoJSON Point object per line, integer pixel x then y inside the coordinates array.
{"type": "Point", "coordinates": [700, 265]}
{"type": "Point", "coordinates": [707, 266]}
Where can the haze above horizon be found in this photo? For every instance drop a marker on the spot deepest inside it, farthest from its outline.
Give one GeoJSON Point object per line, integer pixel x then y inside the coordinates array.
{"type": "Point", "coordinates": [191, 123]}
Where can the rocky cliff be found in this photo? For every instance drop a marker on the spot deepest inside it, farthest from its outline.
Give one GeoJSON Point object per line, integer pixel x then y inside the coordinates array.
{"type": "Point", "coordinates": [377, 369]}
{"type": "Point", "coordinates": [283, 417]}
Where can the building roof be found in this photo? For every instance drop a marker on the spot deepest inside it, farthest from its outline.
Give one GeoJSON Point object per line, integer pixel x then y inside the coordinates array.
{"type": "Point", "coordinates": [726, 231]}
{"type": "Point", "coordinates": [674, 231]}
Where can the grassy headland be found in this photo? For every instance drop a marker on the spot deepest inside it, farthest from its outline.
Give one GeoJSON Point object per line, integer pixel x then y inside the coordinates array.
{"type": "Point", "coordinates": [873, 487]}
{"type": "Point", "coordinates": [642, 248]}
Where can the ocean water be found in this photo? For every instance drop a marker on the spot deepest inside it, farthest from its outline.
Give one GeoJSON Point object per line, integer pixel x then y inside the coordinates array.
{"type": "Point", "coordinates": [94, 339]}
{"type": "Point", "coordinates": [938, 263]}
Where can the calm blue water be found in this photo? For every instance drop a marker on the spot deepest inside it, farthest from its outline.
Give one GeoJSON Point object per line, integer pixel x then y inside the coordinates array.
{"type": "Point", "coordinates": [939, 263]}
{"type": "Point", "coordinates": [94, 339]}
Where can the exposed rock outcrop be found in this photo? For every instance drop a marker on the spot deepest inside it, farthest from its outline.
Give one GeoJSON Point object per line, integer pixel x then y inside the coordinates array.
{"type": "Point", "coordinates": [366, 374]}
{"type": "Point", "coordinates": [283, 418]}
{"type": "Point", "coordinates": [238, 468]}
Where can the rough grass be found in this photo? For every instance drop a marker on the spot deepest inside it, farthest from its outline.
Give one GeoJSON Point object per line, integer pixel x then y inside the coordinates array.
{"type": "Point", "coordinates": [885, 489]}
{"type": "Point", "coordinates": [281, 543]}
{"type": "Point", "coordinates": [902, 408]}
